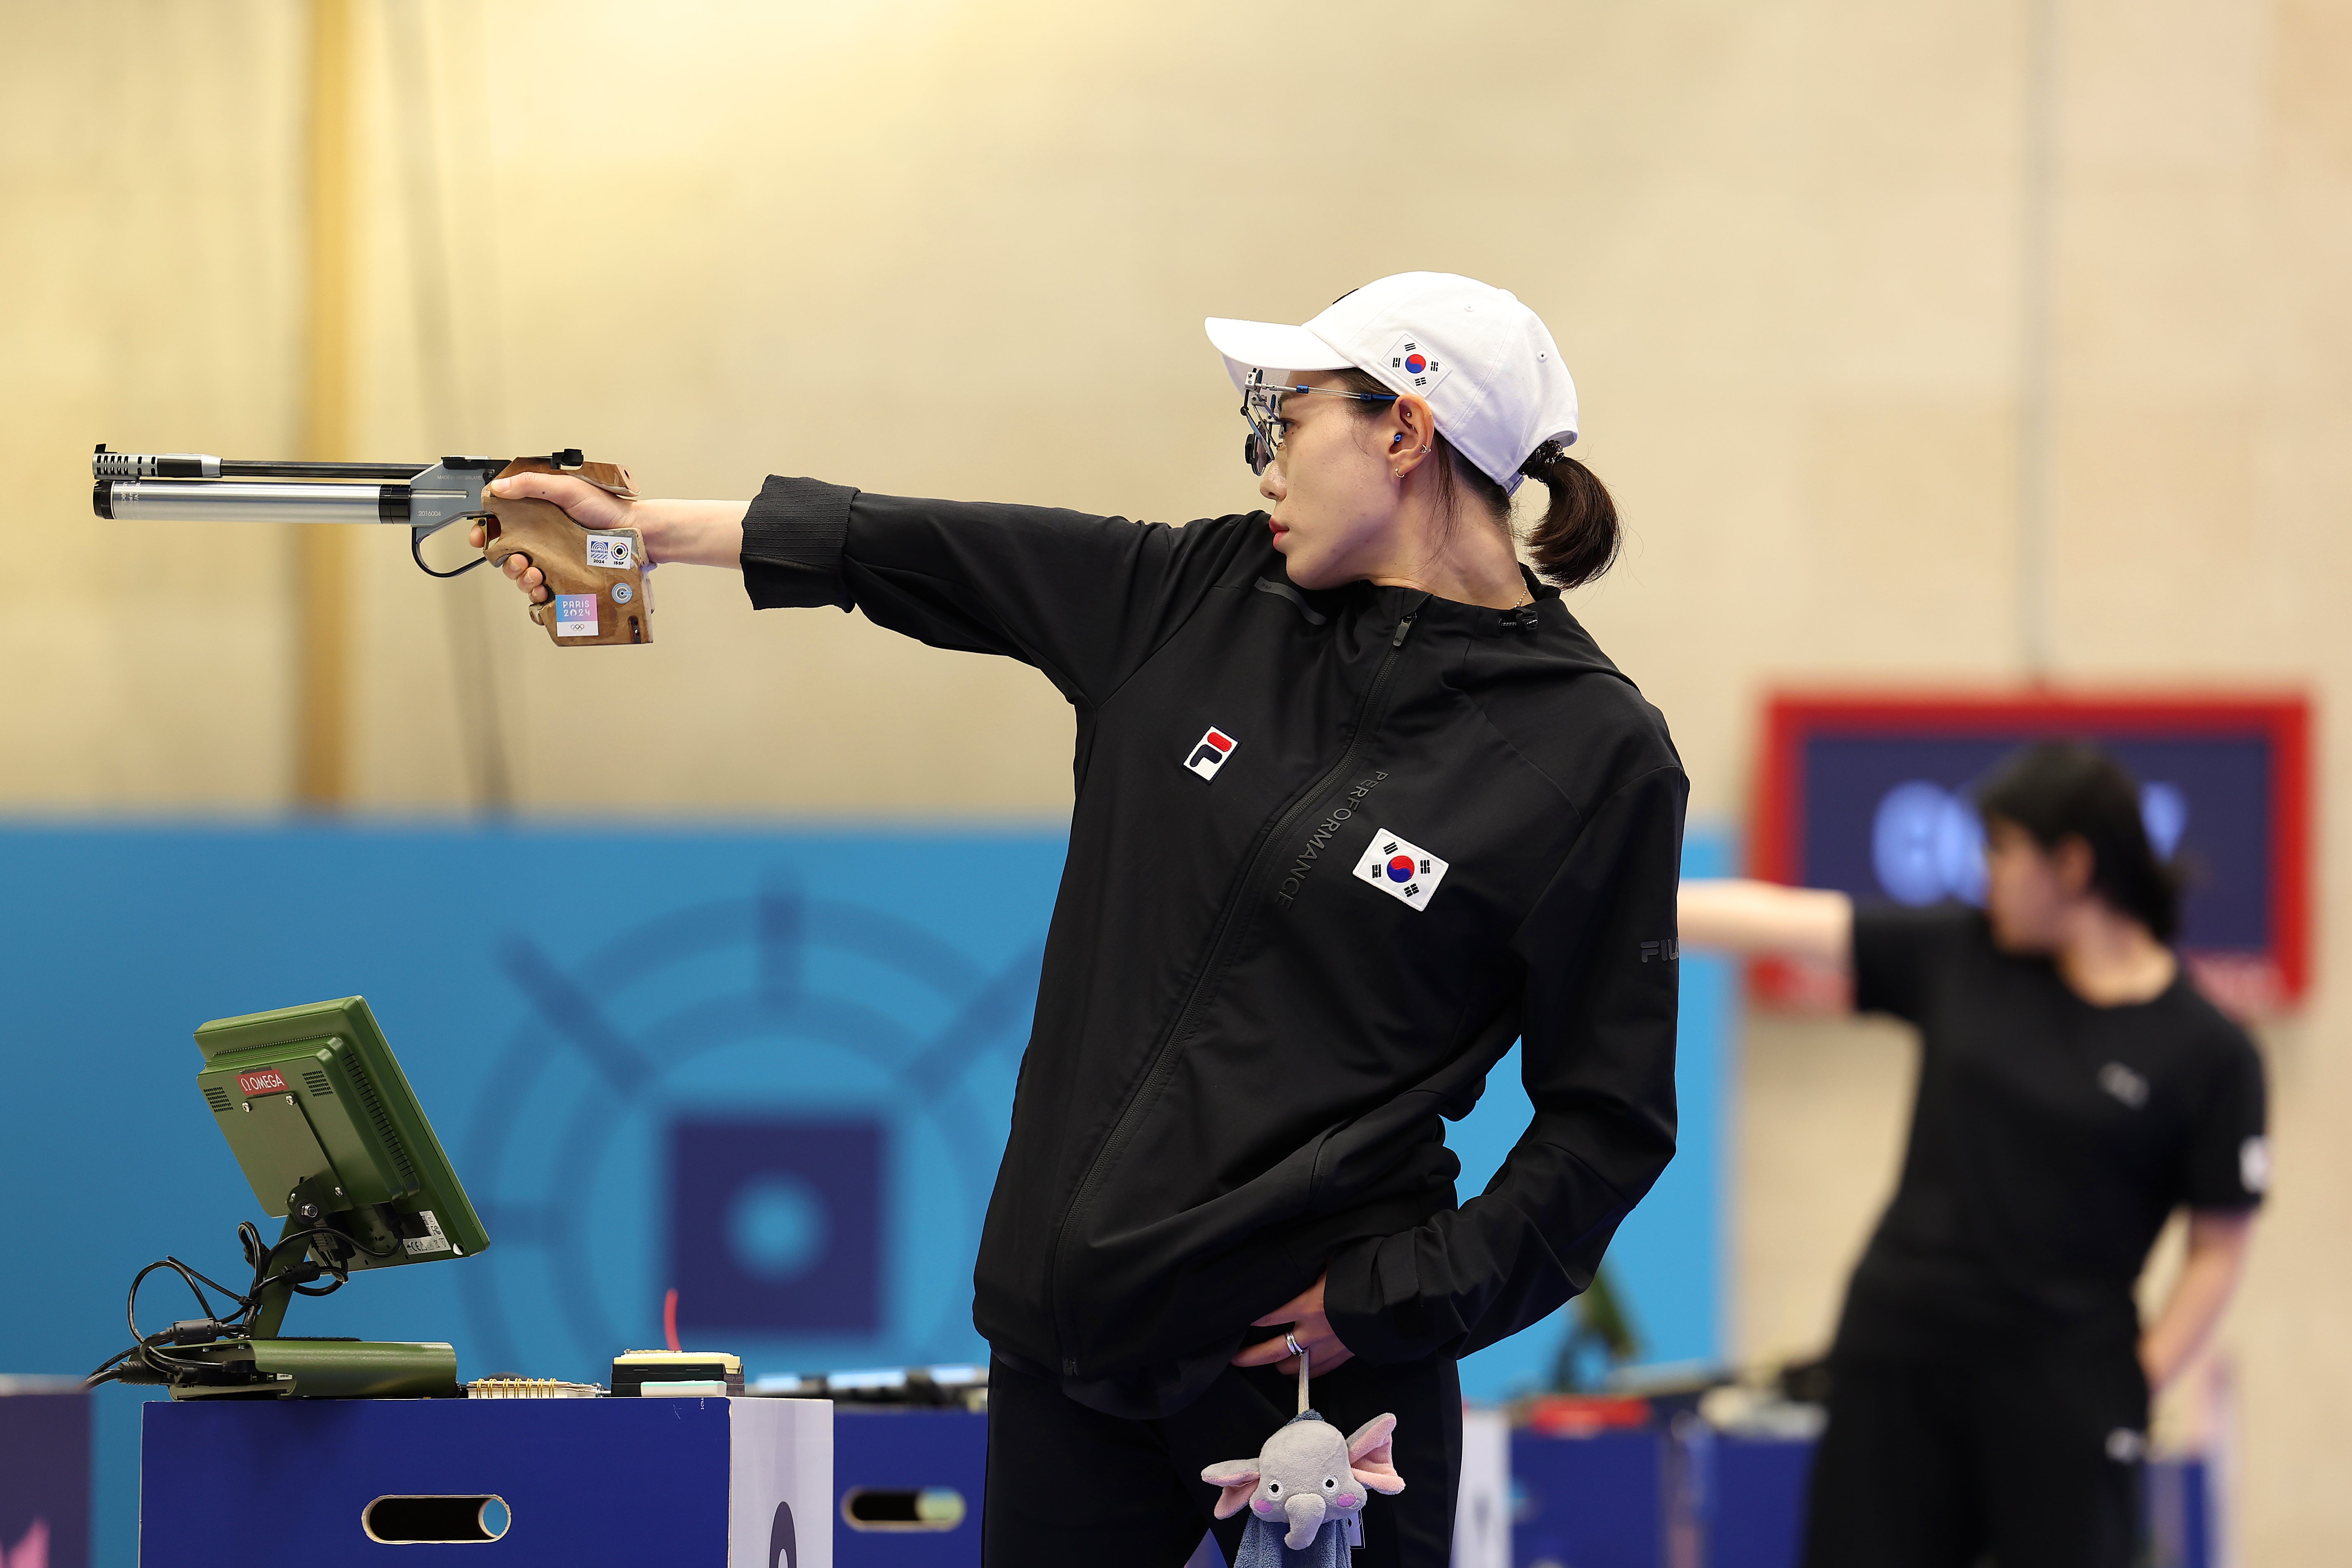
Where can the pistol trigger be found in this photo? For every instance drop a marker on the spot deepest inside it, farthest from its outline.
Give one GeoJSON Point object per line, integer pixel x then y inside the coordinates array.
{"type": "Point", "coordinates": [417, 533]}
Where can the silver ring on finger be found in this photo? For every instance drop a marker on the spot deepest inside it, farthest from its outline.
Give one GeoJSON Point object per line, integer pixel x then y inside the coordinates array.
{"type": "Point", "coordinates": [1296, 1348]}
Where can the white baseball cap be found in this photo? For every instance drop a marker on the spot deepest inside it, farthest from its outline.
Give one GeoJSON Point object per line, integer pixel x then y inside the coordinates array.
{"type": "Point", "coordinates": [1485, 363]}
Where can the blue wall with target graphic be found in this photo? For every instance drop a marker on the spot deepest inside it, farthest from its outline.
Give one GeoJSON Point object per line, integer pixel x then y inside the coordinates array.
{"type": "Point", "coordinates": [769, 1070]}
{"type": "Point", "coordinates": [782, 1096]}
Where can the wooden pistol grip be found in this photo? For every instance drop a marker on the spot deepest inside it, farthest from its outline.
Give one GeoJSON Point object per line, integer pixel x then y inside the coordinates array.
{"type": "Point", "coordinates": [595, 578]}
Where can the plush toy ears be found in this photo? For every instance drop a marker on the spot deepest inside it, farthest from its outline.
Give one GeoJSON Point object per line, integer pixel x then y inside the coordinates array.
{"type": "Point", "coordinates": [1239, 1478]}
{"type": "Point", "coordinates": [1372, 1455]}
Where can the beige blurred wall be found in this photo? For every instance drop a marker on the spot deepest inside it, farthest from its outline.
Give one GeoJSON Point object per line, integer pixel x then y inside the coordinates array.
{"type": "Point", "coordinates": [959, 248]}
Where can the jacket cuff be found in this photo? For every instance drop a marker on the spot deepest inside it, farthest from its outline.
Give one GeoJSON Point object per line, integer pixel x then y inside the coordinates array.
{"type": "Point", "coordinates": [793, 539]}
{"type": "Point", "coordinates": [1357, 1295]}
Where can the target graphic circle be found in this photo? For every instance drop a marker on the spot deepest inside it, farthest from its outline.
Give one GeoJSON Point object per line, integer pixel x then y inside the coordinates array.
{"type": "Point", "coordinates": [772, 1002]}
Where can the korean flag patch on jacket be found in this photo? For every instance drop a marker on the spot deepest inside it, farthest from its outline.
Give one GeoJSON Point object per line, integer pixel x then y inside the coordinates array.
{"type": "Point", "coordinates": [1401, 870]}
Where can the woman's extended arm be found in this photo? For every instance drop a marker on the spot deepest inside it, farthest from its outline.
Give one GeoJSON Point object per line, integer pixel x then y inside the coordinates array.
{"type": "Point", "coordinates": [2217, 1254]}
{"type": "Point", "coordinates": [1084, 599]}
{"type": "Point", "coordinates": [1765, 919]}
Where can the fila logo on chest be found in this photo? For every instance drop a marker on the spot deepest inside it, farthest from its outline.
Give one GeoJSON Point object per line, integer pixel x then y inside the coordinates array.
{"type": "Point", "coordinates": [1211, 753]}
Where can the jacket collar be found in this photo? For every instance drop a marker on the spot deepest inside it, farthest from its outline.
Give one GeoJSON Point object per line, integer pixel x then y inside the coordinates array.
{"type": "Point", "coordinates": [1476, 620]}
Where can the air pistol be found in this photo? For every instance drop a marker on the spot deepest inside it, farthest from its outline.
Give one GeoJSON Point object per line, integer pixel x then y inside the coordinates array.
{"type": "Point", "coordinates": [595, 577]}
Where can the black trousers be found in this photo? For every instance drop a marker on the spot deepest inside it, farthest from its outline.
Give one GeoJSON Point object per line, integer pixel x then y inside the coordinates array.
{"type": "Point", "coordinates": [1070, 1485]}
{"type": "Point", "coordinates": [2025, 1451]}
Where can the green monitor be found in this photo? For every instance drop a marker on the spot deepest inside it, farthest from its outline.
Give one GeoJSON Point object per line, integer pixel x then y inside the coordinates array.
{"type": "Point", "coordinates": [330, 1135]}
{"type": "Point", "coordinates": [323, 1123]}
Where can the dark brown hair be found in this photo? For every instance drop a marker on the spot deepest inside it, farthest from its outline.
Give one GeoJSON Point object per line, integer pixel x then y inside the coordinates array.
{"type": "Point", "coordinates": [1574, 541]}
{"type": "Point", "coordinates": [2069, 790]}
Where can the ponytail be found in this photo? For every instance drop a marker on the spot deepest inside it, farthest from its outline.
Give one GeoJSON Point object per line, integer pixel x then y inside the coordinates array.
{"type": "Point", "coordinates": [1578, 538]}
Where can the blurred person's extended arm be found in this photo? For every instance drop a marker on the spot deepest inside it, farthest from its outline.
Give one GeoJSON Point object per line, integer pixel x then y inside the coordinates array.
{"type": "Point", "coordinates": [1765, 919]}
{"type": "Point", "coordinates": [2217, 1255]}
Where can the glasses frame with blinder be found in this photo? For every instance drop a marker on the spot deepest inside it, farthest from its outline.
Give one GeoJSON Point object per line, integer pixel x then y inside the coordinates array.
{"type": "Point", "coordinates": [1262, 407]}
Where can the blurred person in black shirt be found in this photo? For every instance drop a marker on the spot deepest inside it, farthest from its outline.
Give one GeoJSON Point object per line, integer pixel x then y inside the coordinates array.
{"type": "Point", "coordinates": [1990, 1378]}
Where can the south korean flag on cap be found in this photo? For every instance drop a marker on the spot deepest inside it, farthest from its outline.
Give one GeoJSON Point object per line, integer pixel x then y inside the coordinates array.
{"type": "Point", "coordinates": [1403, 870]}
{"type": "Point", "coordinates": [1414, 364]}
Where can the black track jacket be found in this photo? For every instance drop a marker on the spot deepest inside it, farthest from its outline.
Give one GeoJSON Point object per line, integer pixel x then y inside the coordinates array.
{"type": "Point", "coordinates": [1247, 1028]}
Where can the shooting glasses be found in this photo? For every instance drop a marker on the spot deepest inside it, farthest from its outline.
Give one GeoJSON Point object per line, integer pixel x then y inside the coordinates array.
{"type": "Point", "coordinates": [1262, 406]}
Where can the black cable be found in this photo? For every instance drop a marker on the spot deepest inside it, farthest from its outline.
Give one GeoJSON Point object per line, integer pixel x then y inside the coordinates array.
{"type": "Point", "coordinates": [131, 1302]}
{"type": "Point", "coordinates": [187, 1272]}
{"type": "Point", "coordinates": [102, 1366]}
{"type": "Point", "coordinates": [148, 1351]}
{"type": "Point", "coordinates": [188, 1277]}
{"type": "Point", "coordinates": [340, 1272]}
{"type": "Point", "coordinates": [144, 1348]}
{"type": "Point", "coordinates": [345, 1237]}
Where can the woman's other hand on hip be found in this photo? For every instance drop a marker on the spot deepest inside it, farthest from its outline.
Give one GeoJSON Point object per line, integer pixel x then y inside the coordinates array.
{"type": "Point", "coordinates": [1308, 1325]}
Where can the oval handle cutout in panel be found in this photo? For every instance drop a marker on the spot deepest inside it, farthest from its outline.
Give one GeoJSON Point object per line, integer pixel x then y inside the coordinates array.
{"type": "Point", "coordinates": [415, 1520]}
{"type": "Point", "coordinates": [902, 1508]}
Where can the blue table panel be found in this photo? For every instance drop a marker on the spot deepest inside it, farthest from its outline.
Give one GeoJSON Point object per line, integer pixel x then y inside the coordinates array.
{"type": "Point", "coordinates": [911, 1449]}
{"type": "Point", "coordinates": [1587, 1502]}
{"type": "Point", "coordinates": [1757, 1514]}
{"type": "Point", "coordinates": [233, 1484]}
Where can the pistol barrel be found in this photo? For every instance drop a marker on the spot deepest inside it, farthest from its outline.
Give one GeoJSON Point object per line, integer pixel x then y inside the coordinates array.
{"type": "Point", "coordinates": [222, 501]}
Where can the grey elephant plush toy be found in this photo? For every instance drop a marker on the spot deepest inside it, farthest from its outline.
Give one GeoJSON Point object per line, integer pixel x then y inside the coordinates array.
{"type": "Point", "coordinates": [1306, 1476]}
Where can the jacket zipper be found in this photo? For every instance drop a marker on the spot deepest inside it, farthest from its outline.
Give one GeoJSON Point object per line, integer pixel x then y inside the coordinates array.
{"type": "Point", "coordinates": [1228, 922]}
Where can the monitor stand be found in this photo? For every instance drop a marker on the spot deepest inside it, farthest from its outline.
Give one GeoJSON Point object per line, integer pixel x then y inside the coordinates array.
{"type": "Point", "coordinates": [270, 1366]}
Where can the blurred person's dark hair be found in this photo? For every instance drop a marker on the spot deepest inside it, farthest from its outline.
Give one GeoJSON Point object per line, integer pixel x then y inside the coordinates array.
{"type": "Point", "coordinates": [2063, 790]}
{"type": "Point", "coordinates": [1576, 539]}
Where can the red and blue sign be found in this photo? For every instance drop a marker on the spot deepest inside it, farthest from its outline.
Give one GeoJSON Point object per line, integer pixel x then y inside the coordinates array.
{"type": "Point", "coordinates": [1415, 364]}
{"type": "Point", "coordinates": [1872, 796]}
{"type": "Point", "coordinates": [1401, 869]}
